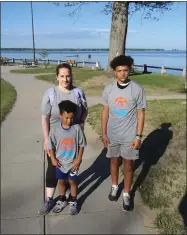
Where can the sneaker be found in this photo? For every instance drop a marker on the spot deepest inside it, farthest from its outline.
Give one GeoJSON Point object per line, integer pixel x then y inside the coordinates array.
{"type": "Point", "coordinates": [126, 202]}
{"type": "Point", "coordinates": [113, 194]}
{"type": "Point", "coordinates": [73, 210]}
{"type": "Point", "coordinates": [47, 206]}
{"type": "Point", "coordinates": [60, 205]}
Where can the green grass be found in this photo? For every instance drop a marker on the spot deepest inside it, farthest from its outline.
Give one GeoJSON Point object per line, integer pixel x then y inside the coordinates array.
{"type": "Point", "coordinates": [155, 81]}
{"type": "Point", "coordinates": [8, 97]}
{"type": "Point", "coordinates": [164, 185]}
{"type": "Point", "coordinates": [79, 76]}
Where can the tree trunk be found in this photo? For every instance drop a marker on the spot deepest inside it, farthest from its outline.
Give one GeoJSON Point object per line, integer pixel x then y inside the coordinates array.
{"type": "Point", "coordinates": [118, 31]}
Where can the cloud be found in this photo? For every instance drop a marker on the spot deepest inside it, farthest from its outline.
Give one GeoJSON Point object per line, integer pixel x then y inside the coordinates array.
{"type": "Point", "coordinates": [76, 33]}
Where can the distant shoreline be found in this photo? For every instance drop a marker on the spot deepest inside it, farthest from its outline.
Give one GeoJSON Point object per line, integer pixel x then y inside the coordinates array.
{"type": "Point", "coordinates": [81, 49]}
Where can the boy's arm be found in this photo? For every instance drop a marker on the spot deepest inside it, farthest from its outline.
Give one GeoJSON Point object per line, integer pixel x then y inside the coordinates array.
{"type": "Point", "coordinates": [141, 120]}
{"type": "Point", "coordinates": [81, 143]}
{"type": "Point", "coordinates": [52, 149]}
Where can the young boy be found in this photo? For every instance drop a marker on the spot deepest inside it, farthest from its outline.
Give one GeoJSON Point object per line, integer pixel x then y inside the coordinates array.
{"type": "Point", "coordinates": [68, 141]}
{"type": "Point", "coordinates": [122, 124]}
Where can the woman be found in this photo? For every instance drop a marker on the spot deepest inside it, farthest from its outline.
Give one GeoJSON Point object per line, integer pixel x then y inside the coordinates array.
{"type": "Point", "coordinates": [50, 118]}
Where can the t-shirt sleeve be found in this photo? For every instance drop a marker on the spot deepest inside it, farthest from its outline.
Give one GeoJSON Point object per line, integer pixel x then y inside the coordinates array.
{"type": "Point", "coordinates": [81, 137]}
{"type": "Point", "coordinates": [141, 99]}
{"type": "Point", "coordinates": [104, 97]}
{"type": "Point", "coordinates": [45, 105]}
{"type": "Point", "coordinates": [51, 140]}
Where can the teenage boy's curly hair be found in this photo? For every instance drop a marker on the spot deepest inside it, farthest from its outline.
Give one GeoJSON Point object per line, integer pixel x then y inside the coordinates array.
{"type": "Point", "coordinates": [121, 60]}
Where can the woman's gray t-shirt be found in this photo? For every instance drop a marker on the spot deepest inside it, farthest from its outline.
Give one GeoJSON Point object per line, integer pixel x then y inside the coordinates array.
{"type": "Point", "coordinates": [123, 105]}
{"type": "Point", "coordinates": [53, 110]}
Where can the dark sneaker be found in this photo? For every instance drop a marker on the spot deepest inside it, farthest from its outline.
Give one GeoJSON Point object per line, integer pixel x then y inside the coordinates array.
{"type": "Point", "coordinates": [126, 202]}
{"type": "Point", "coordinates": [47, 206]}
{"type": "Point", "coordinates": [113, 194]}
{"type": "Point", "coordinates": [73, 210]}
{"type": "Point", "coordinates": [60, 205]}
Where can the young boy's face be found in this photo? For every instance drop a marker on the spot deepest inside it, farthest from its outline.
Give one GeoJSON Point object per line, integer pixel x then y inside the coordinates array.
{"type": "Point", "coordinates": [67, 118]}
{"type": "Point", "coordinates": [121, 73]}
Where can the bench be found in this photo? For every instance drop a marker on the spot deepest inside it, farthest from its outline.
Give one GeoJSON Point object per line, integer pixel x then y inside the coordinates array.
{"type": "Point", "coordinates": [71, 62]}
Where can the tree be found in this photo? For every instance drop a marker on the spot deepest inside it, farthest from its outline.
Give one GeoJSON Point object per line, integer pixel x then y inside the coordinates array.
{"type": "Point", "coordinates": [44, 55]}
{"type": "Point", "coordinates": [119, 24]}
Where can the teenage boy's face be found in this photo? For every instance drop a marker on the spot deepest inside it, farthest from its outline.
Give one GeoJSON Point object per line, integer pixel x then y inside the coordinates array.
{"type": "Point", "coordinates": [67, 118]}
{"type": "Point", "coordinates": [122, 73]}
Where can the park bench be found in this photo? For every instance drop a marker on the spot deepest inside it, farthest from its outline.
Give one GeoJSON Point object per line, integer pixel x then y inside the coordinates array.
{"type": "Point", "coordinates": [3, 60]}
{"type": "Point", "coordinates": [71, 62]}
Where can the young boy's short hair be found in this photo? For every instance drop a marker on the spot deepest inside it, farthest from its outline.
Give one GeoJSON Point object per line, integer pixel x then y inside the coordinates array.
{"type": "Point", "coordinates": [67, 106]}
{"type": "Point", "coordinates": [122, 60]}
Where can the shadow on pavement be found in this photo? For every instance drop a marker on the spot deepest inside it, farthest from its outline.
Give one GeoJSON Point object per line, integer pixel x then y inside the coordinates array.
{"type": "Point", "coordinates": [152, 149]}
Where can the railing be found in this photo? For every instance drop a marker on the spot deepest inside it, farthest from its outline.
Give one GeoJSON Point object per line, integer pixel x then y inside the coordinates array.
{"type": "Point", "coordinates": [163, 69]}
{"type": "Point", "coordinates": [12, 61]}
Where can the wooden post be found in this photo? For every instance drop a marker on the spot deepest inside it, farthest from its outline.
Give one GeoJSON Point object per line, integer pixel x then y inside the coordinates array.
{"type": "Point", "coordinates": [48, 61]}
{"type": "Point", "coordinates": [144, 68]}
{"type": "Point", "coordinates": [13, 60]}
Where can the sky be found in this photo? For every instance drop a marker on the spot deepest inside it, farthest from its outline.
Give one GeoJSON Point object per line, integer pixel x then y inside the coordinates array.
{"type": "Point", "coordinates": [54, 28]}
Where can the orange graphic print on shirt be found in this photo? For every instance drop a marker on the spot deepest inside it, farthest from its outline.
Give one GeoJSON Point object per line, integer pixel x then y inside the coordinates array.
{"type": "Point", "coordinates": [120, 102]}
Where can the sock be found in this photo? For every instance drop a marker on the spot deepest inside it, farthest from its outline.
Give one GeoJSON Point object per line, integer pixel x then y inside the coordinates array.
{"type": "Point", "coordinates": [115, 186]}
{"type": "Point", "coordinates": [125, 194]}
{"type": "Point", "coordinates": [62, 198]}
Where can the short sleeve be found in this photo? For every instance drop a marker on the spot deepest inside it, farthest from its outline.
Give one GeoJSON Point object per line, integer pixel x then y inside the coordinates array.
{"type": "Point", "coordinates": [51, 140]}
{"type": "Point", "coordinates": [104, 98]}
{"type": "Point", "coordinates": [81, 137]}
{"type": "Point", "coordinates": [45, 105]}
{"type": "Point", "coordinates": [141, 99]}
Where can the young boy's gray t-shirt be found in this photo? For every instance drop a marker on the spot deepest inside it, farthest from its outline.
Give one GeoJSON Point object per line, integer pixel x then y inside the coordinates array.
{"type": "Point", "coordinates": [66, 142]}
{"type": "Point", "coordinates": [53, 111]}
{"type": "Point", "coordinates": [123, 105]}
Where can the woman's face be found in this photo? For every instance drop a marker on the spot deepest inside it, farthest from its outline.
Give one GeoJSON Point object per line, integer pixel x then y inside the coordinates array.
{"type": "Point", "coordinates": [64, 78]}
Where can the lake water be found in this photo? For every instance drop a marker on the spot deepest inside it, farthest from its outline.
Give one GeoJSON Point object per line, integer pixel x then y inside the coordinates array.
{"type": "Point", "coordinates": [174, 59]}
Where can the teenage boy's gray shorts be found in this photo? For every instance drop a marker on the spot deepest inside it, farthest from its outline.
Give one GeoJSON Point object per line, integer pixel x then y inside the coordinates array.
{"type": "Point", "coordinates": [123, 150]}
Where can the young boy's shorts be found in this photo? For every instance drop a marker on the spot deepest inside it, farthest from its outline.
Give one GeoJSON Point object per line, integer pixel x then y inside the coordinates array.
{"type": "Point", "coordinates": [61, 175]}
{"type": "Point", "coordinates": [123, 150]}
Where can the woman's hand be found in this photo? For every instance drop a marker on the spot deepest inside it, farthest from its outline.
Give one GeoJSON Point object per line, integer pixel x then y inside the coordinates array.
{"type": "Point", "coordinates": [46, 147]}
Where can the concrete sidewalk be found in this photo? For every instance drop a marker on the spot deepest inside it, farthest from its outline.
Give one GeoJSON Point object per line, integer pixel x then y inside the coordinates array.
{"type": "Point", "coordinates": [22, 176]}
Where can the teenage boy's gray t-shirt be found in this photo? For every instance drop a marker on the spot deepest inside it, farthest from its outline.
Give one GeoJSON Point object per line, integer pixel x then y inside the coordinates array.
{"type": "Point", "coordinates": [53, 111]}
{"type": "Point", "coordinates": [66, 142]}
{"type": "Point", "coordinates": [123, 105]}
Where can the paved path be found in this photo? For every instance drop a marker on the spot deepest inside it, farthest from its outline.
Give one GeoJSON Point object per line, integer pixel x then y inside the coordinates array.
{"type": "Point", "coordinates": [22, 176]}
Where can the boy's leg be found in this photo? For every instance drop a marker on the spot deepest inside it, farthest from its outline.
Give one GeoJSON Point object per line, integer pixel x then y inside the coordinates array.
{"type": "Point", "coordinates": [73, 197]}
{"type": "Point", "coordinates": [62, 202]}
{"type": "Point", "coordinates": [128, 155]}
{"type": "Point", "coordinates": [113, 153]}
{"type": "Point", "coordinates": [128, 174]}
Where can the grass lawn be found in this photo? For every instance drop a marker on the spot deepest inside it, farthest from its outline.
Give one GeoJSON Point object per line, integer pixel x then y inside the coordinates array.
{"type": "Point", "coordinates": [93, 82]}
{"type": "Point", "coordinates": [163, 178]}
{"type": "Point", "coordinates": [8, 97]}
{"type": "Point", "coordinates": [80, 75]}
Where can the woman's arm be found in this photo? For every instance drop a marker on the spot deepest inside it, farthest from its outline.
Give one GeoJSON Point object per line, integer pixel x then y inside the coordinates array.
{"type": "Point", "coordinates": [45, 128]}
